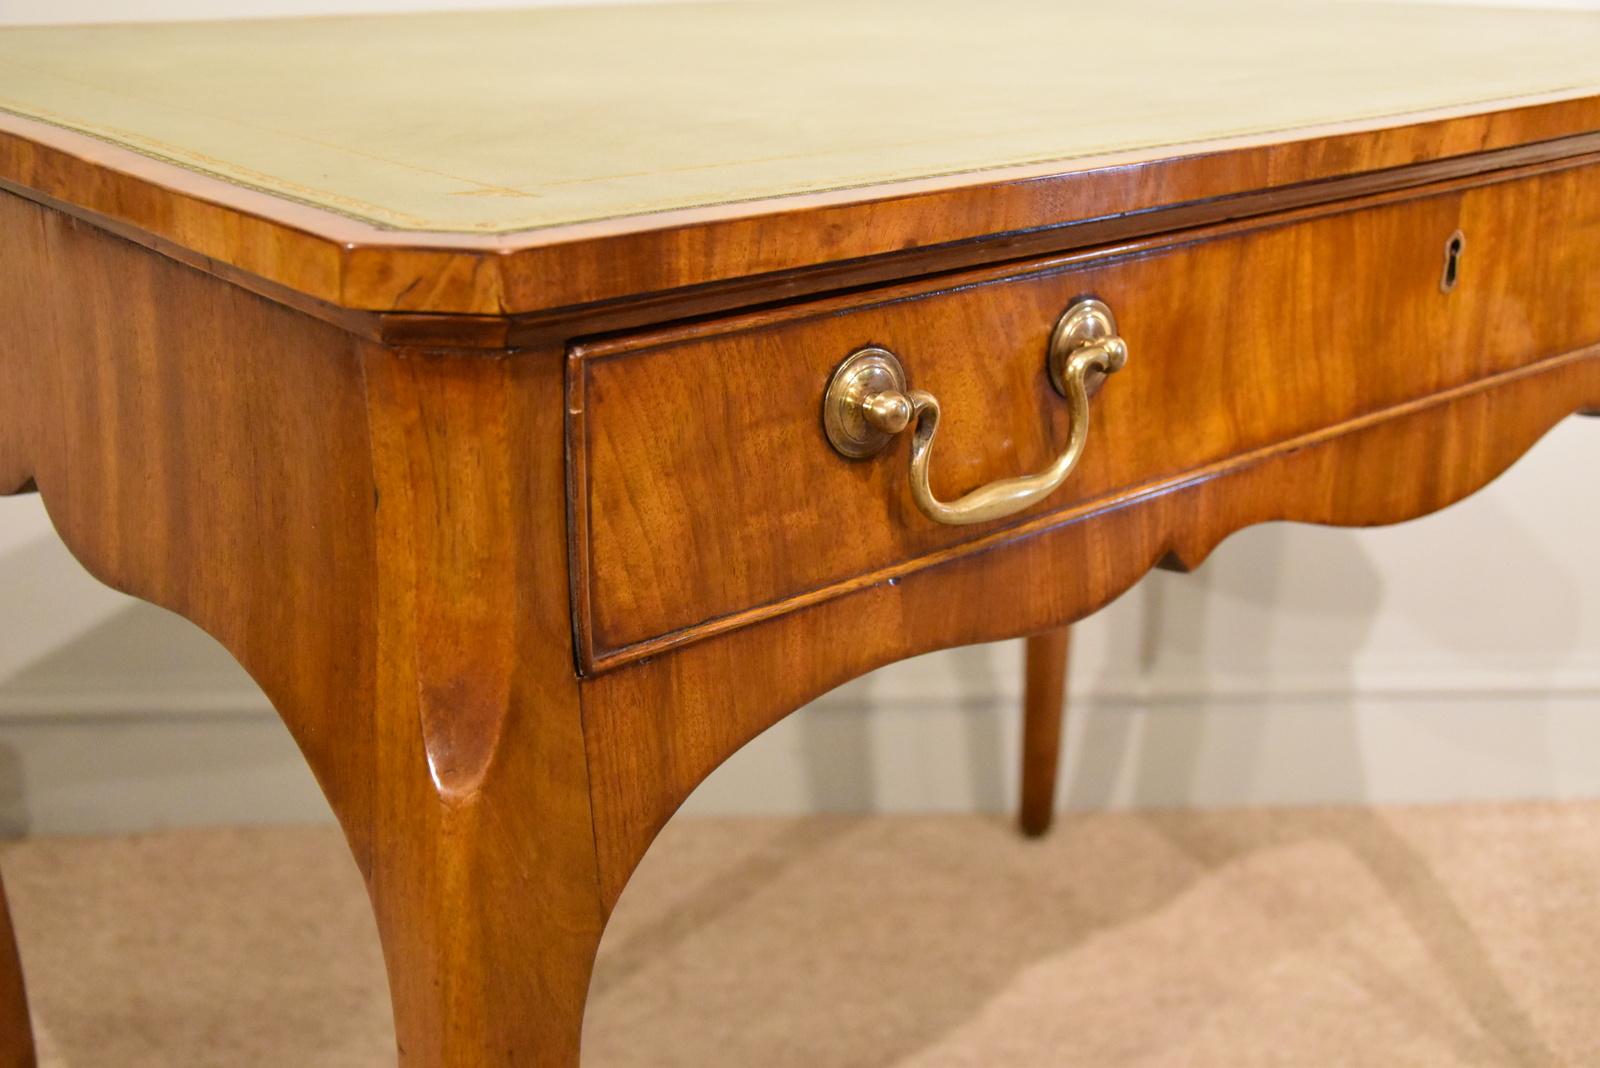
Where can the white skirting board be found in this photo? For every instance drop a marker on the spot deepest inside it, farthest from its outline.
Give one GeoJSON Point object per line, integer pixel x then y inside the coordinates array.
{"type": "Point", "coordinates": [130, 769]}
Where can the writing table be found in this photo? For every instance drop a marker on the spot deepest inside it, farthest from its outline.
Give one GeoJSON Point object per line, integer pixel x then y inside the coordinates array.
{"type": "Point", "coordinates": [541, 404]}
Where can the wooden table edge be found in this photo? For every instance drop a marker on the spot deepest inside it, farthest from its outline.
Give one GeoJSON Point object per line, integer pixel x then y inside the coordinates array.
{"type": "Point", "coordinates": [507, 290]}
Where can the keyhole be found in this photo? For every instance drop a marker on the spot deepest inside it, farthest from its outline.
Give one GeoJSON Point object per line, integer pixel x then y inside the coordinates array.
{"type": "Point", "coordinates": [1452, 262]}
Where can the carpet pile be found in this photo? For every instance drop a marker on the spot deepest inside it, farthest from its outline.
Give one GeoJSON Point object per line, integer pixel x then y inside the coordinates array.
{"type": "Point", "coordinates": [1442, 936]}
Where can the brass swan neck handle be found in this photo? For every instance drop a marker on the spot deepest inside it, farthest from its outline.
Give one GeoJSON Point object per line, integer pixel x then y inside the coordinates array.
{"type": "Point", "coordinates": [868, 403]}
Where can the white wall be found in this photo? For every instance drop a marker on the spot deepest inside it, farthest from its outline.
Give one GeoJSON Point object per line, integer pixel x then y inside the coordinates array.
{"type": "Point", "coordinates": [1454, 657]}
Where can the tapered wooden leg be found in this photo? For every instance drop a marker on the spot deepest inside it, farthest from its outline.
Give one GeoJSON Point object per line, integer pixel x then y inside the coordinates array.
{"type": "Point", "coordinates": [16, 1034]}
{"type": "Point", "coordinates": [1044, 701]}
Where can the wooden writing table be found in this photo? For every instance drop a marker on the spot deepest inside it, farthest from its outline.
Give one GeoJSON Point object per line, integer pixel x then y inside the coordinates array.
{"type": "Point", "coordinates": [540, 405]}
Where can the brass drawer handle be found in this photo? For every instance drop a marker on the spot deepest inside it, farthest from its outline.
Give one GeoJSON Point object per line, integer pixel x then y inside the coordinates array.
{"type": "Point", "coordinates": [868, 403]}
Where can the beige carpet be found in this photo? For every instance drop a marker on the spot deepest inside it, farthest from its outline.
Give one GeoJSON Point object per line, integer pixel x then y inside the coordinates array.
{"type": "Point", "coordinates": [1437, 937]}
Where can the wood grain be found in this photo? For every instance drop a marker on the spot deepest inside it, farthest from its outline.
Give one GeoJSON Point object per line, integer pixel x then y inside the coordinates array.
{"type": "Point", "coordinates": [378, 537]}
{"type": "Point", "coordinates": [837, 237]}
{"type": "Point", "coordinates": [380, 532]}
{"type": "Point", "coordinates": [655, 728]}
{"type": "Point", "coordinates": [203, 449]}
{"type": "Point", "coordinates": [485, 875]}
{"type": "Point", "coordinates": [1043, 705]}
{"type": "Point", "coordinates": [699, 459]}
{"type": "Point", "coordinates": [16, 1030]}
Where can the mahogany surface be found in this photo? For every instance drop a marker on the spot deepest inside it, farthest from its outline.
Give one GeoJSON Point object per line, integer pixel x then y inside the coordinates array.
{"type": "Point", "coordinates": [1044, 701]}
{"type": "Point", "coordinates": [16, 1031]}
{"type": "Point", "coordinates": [683, 527]}
{"type": "Point", "coordinates": [524, 537]}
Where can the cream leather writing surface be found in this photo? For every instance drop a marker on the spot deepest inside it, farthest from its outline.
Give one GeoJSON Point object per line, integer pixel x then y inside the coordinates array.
{"type": "Point", "coordinates": [501, 121]}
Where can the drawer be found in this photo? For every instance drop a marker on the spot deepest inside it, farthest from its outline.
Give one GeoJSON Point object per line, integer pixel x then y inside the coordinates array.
{"type": "Point", "coordinates": [706, 494]}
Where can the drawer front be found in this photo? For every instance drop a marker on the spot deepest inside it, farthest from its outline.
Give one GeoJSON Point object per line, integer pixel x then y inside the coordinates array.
{"type": "Point", "coordinates": [707, 495]}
